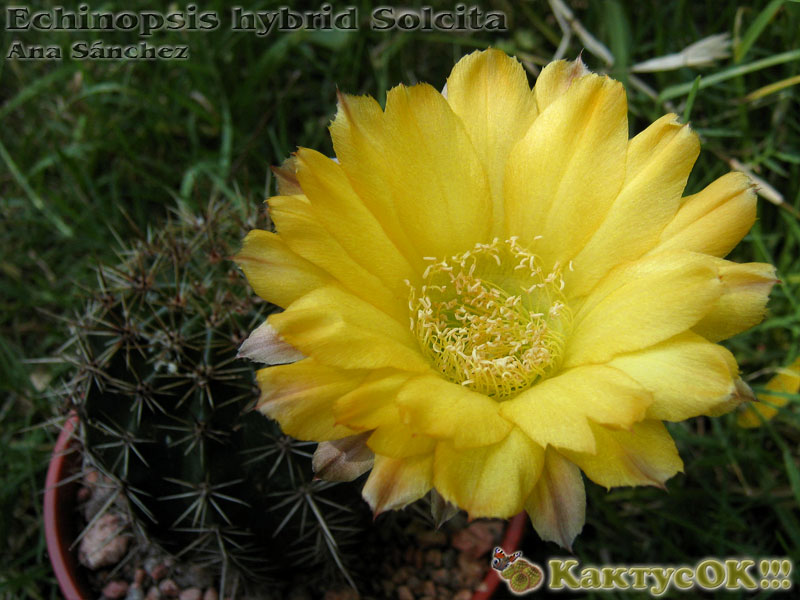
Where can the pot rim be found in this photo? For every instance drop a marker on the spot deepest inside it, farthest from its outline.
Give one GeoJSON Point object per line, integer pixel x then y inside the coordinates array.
{"type": "Point", "coordinates": [58, 505]}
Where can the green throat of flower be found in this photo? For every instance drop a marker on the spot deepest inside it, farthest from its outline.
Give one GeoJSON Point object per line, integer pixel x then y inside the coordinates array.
{"type": "Point", "coordinates": [491, 319]}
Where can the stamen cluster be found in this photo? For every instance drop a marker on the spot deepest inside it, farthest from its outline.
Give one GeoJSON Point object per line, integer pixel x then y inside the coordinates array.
{"type": "Point", "coordinates": [490, 318]}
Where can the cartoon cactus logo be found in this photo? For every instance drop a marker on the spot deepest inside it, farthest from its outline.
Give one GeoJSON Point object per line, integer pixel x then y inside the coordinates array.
{"type": "Point", "coordinates": [520, 575]}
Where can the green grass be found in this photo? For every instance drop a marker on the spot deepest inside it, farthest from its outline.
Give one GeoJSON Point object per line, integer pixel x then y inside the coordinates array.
{"type": "Point", "coordinates": [91, 151]}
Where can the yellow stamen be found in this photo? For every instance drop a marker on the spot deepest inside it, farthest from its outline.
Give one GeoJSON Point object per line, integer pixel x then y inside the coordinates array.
{"type": "Point", "coordinates": [490, 319]}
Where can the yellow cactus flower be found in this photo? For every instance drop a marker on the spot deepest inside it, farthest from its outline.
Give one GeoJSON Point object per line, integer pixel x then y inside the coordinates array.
{"type": "Point", "coordinates": [787, 381]}
{"type": "Point", "coordinates": [492, 288]}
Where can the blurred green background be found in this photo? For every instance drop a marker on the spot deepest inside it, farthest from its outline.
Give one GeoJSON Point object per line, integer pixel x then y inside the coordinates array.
{"type": "Point", "coordinates": [93, 150]}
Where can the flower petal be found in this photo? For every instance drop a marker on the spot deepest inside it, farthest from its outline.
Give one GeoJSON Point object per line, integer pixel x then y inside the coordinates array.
{"type": "Point", "coordinates": [277, 274]}
{"type": "Point", "coordinates": [416, 169]}
{"type": "Point", "coordinates": [299, 227]}
{"type": "Point", "coordinates": [714, 220]}
{"type": "Point", "coordinates": [743, 303]}
{"type": "Point", "coordinates": [343, 459]}
{"type": "Point", "coordinates": [445, 410]}
{"type": "Point", "coordinates": [441, 510]}
{"type": "Point", "coordinates": [286, 176]}
{"type": "Point", "coordinates": [357, 135]}
{"type": "Point", "coordinates": [646, 455]}
{"type": "Point", "coordinates": [373, 403]}
{"type": "Point", "coordinates": [264, 345]}
{"type": "Point", "coordinates": [548, 192]}
{"type": "Point", "coordinates": [489, 91]}
{"type": "Point", "coordinates": [557, 505]}
{"type": "Point", "coordinates": [344, 216]}
{"type": "Point", "coordinates": [687, 375]}
{"type": "Point", "coordinates": [555, 79]}
{"type": "Point", "coordinates": [641, 304]}
{"type": "Point", "coordinates": [659, 160]}
{"type": "Point", "coordinates": [300, 396]}
{"type": "Point", "coordinates": [397, 482]}
{"type": "Point", "coordinates": [341, 330]}
{"type": "Point", "coordinates": [788, 381]}
{"type": "Point", "coordinates": [741, 394]}
{"type": "Point", "coordinates": [492, 481]}
{"type": "Point", "coordinates": [556, 411]}
{"type": "Point", "coordinates": [398, 440]}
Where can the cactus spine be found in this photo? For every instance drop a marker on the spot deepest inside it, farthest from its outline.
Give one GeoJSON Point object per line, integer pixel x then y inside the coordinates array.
{"type": "Point", "coordinates": [166, 410]}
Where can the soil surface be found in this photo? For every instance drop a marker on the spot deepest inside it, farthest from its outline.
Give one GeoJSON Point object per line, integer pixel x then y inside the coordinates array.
{"type": "Point", "coordinates": [405, 558]}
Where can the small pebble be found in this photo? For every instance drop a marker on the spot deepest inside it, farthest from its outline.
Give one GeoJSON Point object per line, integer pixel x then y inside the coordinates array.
{"type": "Point", "coordinates": [402, 574]}
{"type": "Point", "coordinates": [443, 593]}
{"type": "Point", "coordinates": [158, 571]}
{"type": "Point", "coordinates": [169, 588]}
{"type": "Point", "coordinates": [149, 564]}
{"type": "Point", "coordinates": [441, 576]}
{"type": "Point", "coordinates": [434, 557]}
{"type": "Point", "coordinates": [341, 594]}
{"type": "Point", "coordinates": [194, 576]}
{"type": "Point", "coordinates": [429, 588]}
{"type": "Point", "coordinates": [191, 594]}
{"type": "Point", "coordinates": [449, 558]}
{"type": "Point", "coordinates": [211, 594]}
{"type": "Point", "coordinates": [477, 539]}
{"type": "Point", "coordinates": [435, 537]}
{"type": "Point", "coordinates": [104, 543]}
{"type": "Point", "coordinates": [116, 589]}
{"type": "Point", "coordinates": [463, 595]}
{"type": "Point", "coordinates": [139, 577]}
{"type": "Point", "coordinates": [403, 593]}
{"type": "Point", "coordinates": [153, 593]}
{"type": "Point", "coordinates": [471, 570]}
{"type": "Point", "coordinates": [134, 593]}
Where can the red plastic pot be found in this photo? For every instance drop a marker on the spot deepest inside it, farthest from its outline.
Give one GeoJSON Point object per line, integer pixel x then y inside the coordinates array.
{"type": "Point", "coordinates": [60, 497]}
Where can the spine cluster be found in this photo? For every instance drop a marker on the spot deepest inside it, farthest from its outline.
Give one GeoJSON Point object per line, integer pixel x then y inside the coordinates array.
{"type": "Point", "coordinates": [166, 411]}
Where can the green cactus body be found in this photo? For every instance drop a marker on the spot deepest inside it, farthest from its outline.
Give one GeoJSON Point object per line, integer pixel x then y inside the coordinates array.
{"type": "Point", "coordinates": [166, 411]}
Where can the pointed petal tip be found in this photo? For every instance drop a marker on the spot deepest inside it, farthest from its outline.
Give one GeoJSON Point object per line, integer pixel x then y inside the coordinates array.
{"type": "Point", "coordinates": [741, 393]}
{"type": "Point", "coordinates": [441, 510]}
{"type": "Point", "coordinates": [344, 459]}
{"type": "Point", "coordinates": [265, 345]}
{"type": "Point", "coordinates": [395, 483]}
{"type": "Point", "coordinates": [557, 505]}
{"type": "Point", "coordinates": [343, 111]}
{"type": "Point", "coordinates": [286, 174]}
{"type": "Point", "coordinates": [578, 66]}
{"type": "Point", "coordinates": [343, 103]}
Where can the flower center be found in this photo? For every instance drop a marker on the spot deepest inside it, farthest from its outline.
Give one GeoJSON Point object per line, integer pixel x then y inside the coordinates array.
{"type": "Point", "coordinates": [491, 319]}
